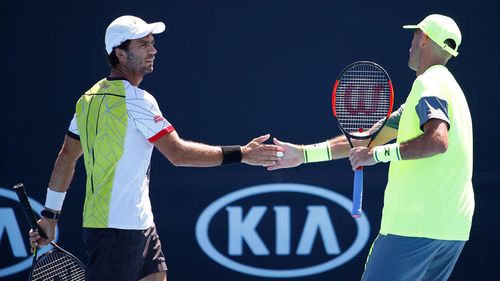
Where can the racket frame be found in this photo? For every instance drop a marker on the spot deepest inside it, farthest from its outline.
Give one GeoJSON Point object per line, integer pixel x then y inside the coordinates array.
{"type": "Point", "coordinates": [357, 210]}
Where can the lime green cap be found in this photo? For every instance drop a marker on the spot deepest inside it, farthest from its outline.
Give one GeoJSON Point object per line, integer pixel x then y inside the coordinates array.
{"type": "Point", "coordinates": [440, 28]}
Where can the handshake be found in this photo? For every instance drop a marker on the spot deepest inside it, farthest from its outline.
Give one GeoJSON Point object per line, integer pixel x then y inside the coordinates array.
{"type": "Point", "coordinates": [282, 155]}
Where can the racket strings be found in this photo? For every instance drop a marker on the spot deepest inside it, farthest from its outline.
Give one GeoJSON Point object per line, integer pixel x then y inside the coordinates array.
{"type": "Point", "coordinates": [58, 266]}
{"type": "Point", "coordinates": [363, 97]}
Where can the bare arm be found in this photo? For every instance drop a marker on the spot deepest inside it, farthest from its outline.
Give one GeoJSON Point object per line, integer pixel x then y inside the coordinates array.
{"type": "Point", "coordinates": [187, 153]}
{"type": "Point", "coordinates": [433, 141]}
{"type": "Point", "coordinates": [294, 153]}
{"type": "Point", "coordinates": [340, 147]}
{"type": "Point", "coordinates": [64, 167]}
{"type": "Point", "coordinates": [60, 180]}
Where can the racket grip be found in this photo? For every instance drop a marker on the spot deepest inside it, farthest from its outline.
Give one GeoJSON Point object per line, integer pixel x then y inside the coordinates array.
{"type": "Point", "coordinates": [357, 194]}
{"type": "Point", "coordinates": [27, 209]}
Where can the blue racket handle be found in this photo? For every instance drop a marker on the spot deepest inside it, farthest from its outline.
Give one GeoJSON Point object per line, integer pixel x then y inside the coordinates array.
{"type": "Point", "coordinates": [357, 194]}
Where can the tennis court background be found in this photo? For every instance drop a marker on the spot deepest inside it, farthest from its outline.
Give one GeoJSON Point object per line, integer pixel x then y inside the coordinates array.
{"type": "Point", "coordinates": [225, 72]}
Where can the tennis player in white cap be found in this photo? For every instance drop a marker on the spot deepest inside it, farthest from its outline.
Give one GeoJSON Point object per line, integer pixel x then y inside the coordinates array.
{"type": "Point", "coordinates": [115, 127]}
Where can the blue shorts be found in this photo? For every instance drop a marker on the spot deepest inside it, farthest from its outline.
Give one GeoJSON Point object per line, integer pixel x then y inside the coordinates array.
{"type": "Point", "coordinates": [122, 255]}
{"type": "Point", "coordinates": [399, 258]}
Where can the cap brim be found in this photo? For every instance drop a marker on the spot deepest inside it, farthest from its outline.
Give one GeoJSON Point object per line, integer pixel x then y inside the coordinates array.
{"type": "Point", "coordinates": [152, 28]}
{"type": "Point", "coordinates": [157, 27]}
{"type": "Point", "coordinates": [410, 26]}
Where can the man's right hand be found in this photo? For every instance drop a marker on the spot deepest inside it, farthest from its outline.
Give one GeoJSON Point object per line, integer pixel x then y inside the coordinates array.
{"type": "Point", "coordinates": [49, 227]}
{"type": "Point", "coordinates": [259, 154]}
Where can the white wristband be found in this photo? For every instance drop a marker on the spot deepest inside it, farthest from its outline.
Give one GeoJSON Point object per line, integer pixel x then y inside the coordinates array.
{"type": "Point", "coordinates": [386, 153]}
{"type": "Point", "coordinates": [54, 200]}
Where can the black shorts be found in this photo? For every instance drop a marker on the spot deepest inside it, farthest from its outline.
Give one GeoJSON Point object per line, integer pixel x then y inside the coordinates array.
{"type": "Point", "coordinates": [122, 255]}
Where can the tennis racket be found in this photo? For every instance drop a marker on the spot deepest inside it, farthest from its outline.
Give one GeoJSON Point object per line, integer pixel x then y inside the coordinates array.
{"type": "Point", "coordinates": [53, 265]}
{"type": "Point", "coordinates": [362, 96]}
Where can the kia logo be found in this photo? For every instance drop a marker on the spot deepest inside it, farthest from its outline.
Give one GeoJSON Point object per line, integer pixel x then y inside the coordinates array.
{"type": "Point", "coordinates": [14, 229]}
{"type": "Point", "coordinates": [281, 230]}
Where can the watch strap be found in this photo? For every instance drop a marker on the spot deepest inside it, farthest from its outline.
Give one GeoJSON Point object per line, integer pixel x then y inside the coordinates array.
{"type": "Point", "coordinates": [50, 214]}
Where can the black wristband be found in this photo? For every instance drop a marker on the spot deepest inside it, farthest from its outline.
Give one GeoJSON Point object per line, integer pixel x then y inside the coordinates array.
{"type": "Point", "coordinates": [231, 154]}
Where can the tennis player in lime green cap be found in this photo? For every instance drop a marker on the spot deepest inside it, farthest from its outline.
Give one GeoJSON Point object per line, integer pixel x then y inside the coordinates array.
{"type": "Point", "coordinates": [429, 200]}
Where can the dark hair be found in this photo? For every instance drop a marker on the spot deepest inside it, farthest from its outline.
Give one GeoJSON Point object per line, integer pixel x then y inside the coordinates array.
{"type": "Point", "coordinates": [112, 58]}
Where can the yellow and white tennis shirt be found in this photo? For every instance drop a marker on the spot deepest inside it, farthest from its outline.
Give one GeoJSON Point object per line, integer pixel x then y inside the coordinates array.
{"type": "Point", "coordinates": [117, 124]}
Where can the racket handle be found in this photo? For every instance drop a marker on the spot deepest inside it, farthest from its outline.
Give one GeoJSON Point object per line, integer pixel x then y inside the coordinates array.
{"type": "Point", "coordinates": [28, 211]}
{"type": "Point", "coordinates": [357, 193]}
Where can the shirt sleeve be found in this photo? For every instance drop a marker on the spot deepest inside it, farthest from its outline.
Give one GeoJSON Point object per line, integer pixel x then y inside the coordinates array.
{"type": "Point", "coordinates": [73, 131]}
{"type": "Point", "coordinates": [433, 101]}
{"type": "Point", "coordinates": [147, 117]}
{"type": "Point", "coordinates": [432, 107]}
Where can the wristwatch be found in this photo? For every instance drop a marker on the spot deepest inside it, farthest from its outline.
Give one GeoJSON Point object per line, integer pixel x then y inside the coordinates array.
{"type": "Point", "coordinates": [50, 214]}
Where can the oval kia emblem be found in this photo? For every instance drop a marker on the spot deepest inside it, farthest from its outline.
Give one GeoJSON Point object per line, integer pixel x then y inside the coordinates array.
{"type": "Point", "coordinates": [270, 227]}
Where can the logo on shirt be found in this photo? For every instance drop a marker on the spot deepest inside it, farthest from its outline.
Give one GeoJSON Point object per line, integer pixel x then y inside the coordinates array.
{"type": "Point", "coordinates": [281, 230]}
{"type": "Point", "coordinates": [104, 84]}
{"type": "Point", "coordinates": [158, 118]}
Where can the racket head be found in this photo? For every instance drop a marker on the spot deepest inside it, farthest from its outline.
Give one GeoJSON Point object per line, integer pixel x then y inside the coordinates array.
{"type": "Point", "coordinates": [362, 95]}
{"type": "Point", "coordinates": [57, 265]}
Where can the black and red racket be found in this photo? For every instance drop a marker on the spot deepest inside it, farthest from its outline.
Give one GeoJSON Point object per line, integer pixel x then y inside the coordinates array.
{"type": "Point", "coordinates": [362, 96]}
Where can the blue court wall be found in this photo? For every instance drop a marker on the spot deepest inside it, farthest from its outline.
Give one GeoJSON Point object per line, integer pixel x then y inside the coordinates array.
{"type": "Point", "coordinates": [226, 72]}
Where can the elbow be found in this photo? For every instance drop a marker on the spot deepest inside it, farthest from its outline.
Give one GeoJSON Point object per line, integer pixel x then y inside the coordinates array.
{"type": "Point", "coordinates": [179, 159]}
{"type": "Point", "coordinates": [439, 141]}
{"type": "Point", "coordinates": [176, 161]}
{"type": "Point", "coordinates": [68, 155]}
{"type": "Point", "coordinates": [179, 164]}
{"type": "Point", "coordinates": [173, 151]}
{"type": "Point", "coordinates": [442, 143]}
{"type": "Point", "coordinates": [441, 147]}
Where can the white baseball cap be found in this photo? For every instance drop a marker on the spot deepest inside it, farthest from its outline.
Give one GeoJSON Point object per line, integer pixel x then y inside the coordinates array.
{"type": "Point", "coordinates": [440, 28]}
{"type": "Point", "coordinates": [127, 28]}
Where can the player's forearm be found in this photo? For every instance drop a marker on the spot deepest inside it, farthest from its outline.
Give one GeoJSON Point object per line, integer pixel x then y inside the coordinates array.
{"type": "Point", "coordinates": [340, 146]}
{"type": "Point", "coordinates": [423, 146]}
{"type": "Point", "coordinates": [193, 154]}
{"type": "Point", "coordinates": [434, 141]}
